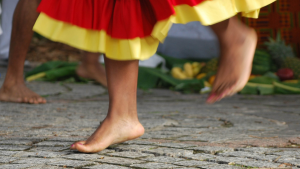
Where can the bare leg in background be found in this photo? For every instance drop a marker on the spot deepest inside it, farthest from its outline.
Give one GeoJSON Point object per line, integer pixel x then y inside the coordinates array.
{"type": "Point", "coordinates": [14, 88]}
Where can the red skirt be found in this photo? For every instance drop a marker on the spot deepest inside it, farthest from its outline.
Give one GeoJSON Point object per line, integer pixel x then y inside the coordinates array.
{"type": "Point", "coordinates": [129, 29]}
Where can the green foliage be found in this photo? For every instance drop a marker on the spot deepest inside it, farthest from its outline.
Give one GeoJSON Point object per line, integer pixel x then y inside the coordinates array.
{"type": "Point", "coordinates": [294, 64]}
{"type": "Point", "coordinates": [262, 62]}
{"type": "Point", "coordinates": [279, 50]}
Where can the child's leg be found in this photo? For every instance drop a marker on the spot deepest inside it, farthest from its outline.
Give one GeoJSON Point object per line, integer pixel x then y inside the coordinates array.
{"type": "Point", "coordinates": [238, 43]}
{"type": "Point", "coordinates": [121, 123]}
{"type": "Point", "coordinates": [90, 68]}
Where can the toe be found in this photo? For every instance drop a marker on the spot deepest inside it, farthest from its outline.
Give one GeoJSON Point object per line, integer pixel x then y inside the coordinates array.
{"type": "Point", "coordinates": [40, 100]}
{"type": "Point", "coordinates": [31, 100]}
{"type": "Point", "coordinates": [25, 100]}
{"type": "Point", "coordinates": [211, 98]}
{"type": "Point", "coordinates": [73, 146]}
{"type": "Point", "coordinates": [84, 148]}
{"type": "Point", "coordinates": [17, 100]}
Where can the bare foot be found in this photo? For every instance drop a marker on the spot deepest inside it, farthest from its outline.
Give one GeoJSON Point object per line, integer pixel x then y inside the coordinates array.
{"type": "Point", "coordinates": [21, 94]}
{"type": "Point", "coordinates": [111, 131]}
{"type": "Point", "coordinates": [235, 64]}
{"type": "Point", "coordinates": [92, 71]}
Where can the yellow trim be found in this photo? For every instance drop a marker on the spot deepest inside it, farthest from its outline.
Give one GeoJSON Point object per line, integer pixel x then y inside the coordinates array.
{"type": "Point", "coordinates": [96, 41]}
{"type": "Point", "coordinates": [209, 12]}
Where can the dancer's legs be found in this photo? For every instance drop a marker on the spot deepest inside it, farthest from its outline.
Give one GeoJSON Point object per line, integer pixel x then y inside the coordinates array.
{"type": "Point", "coordinates": [14, 88]}
{"type": "Point", "coordinates": [238, 43]}
{"type": "Point", "coordinates": [121, 123]}
{"type": "Point", "coordinates": [90, 68]}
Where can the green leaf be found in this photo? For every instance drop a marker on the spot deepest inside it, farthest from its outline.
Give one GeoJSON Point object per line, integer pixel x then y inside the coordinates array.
{"type": "Point", "coordinates": [50, 66]}
{"type": "Point", "coordinates": [263, 80]}
{"type": "Point", "coordinates": [258, 88]}
{"type": "Point", "coordinates": [60, 73]}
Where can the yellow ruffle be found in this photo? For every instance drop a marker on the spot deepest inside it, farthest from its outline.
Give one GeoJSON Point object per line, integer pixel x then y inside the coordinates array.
{"type": "Point", "coordinates": [209, 12]}
{"type": "Point", "coordinates": [96, 41]}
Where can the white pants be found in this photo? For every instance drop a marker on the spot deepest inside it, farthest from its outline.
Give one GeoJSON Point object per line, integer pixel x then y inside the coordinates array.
{"type": "Point", "coordinates": [8, 8]}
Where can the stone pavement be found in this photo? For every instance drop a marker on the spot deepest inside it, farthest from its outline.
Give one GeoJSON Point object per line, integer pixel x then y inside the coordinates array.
{"type": "Point", "coordinates": [182, 131]}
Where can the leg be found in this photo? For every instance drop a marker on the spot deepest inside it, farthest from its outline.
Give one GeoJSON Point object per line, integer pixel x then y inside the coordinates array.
{"type": "Point", "coordinates": [90, 68]}
{"type": "Point", "coordinates": [14, 89]}
{"type": "Point", "coordinates": [121, 123]}
{"type": "Point", "coordinates": [238, 43]}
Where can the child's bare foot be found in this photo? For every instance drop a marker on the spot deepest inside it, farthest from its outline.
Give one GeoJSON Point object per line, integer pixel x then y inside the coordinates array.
{"type": "Point", "coordinates": [19, 93]}
{"type": "Point", "coordinates": [93, 71]}
{"type": "Point", "coordinates": [111, 131]}
{"type": "Point", "coordinates": [235, 62]}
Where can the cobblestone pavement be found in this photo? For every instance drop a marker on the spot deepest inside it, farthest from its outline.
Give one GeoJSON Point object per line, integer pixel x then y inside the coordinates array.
{"type": "Point", "coordinates": [181, 131]}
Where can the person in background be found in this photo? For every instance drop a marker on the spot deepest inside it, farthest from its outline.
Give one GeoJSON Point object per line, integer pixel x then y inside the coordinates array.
{"type": "Point", "coordinates": [17, 25]}
{"type": "Point", "coordinates": [8, 8]}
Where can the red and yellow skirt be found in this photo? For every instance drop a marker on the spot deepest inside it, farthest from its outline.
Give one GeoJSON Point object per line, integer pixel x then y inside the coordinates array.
{"type": "Point", "coordinates": [130, 29]}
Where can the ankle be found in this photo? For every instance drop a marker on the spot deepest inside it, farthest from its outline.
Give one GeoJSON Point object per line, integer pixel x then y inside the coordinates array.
{"type": "Point", "coordinates": [122, 117]}
{"type": "Point", "coordinates": [12, 81]}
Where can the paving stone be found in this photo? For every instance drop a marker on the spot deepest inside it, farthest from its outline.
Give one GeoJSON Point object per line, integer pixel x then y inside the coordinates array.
{"type": "Point", "coordinates": [7, 159]}
{"type": "Point", "coordinates": [140, 142]}
{"type": "Point", "coordinates": [180, 128]}
{"type": "Point", "coordinates": [16, 166]}
{"type": "Point", "coordinates": [222, 167]}
{"type": "Point", "coordinates": [16, 142]}
{"type": "Point", "coordinates": [259, 150]}
{"type": "Point", "coordinates": [159, 136]}
{"type": "Point", "coordinates": [135, 148]}
{"type": "Point", "coordinates": [14, 147]}
{"type": "Point", "coordinates": [105, 166]}
{"type": "Point", "coordinates": [85, 157]}
{"type": "Point", "coordinates": [170, 152]}
{"type": "Point", "coordinates": [250, 155]}
{"type": "Point", "coordinates": [129, 154]}
{"type": "Point", "coordinates": [41, 154]}
{"type": "Point", "coordinates": [227, 160]}
{"type": "Point", "coordinates": [194, 163]}
{"type": "Point", "coordinates": [119, 161]}
{"type": "Point", "coordinates": [256, 163]}
{"type": "Point", "coordinates": [54, 144]}
{"type": "Point", "coordinates": [176, 145]}
{"type": "Point", "coordinates": [154, 165]}
{"type": "Point", "coordinates": [7, 153]}
{"type": "Point", "coordinates": [45, 167]}
{"type": "Point", "coordinates": [46, 88]}
{"type": "Point", "coordinates": [71, 163]}
{"type": "Point", "coordinates": [106, 151]}
{"type": "Point", "coordinates": [295, 153]}
{"type": "Point", "coordinates": [65, 139]}
{"type": "Point", "coordinates": [163, 159]}
{"type": "Point", "coordinates": [293, 161]}
{"type": "Point", "coordinates": [200, 156]}
{"type": "Point", "coordinates": [49, 149]}
{"type": "Point", "coordinates": [210, 150]}
{"type": "Point", "coordinates": [37, 160]}
{"type": "Point", "coordinates": [80, 91]}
